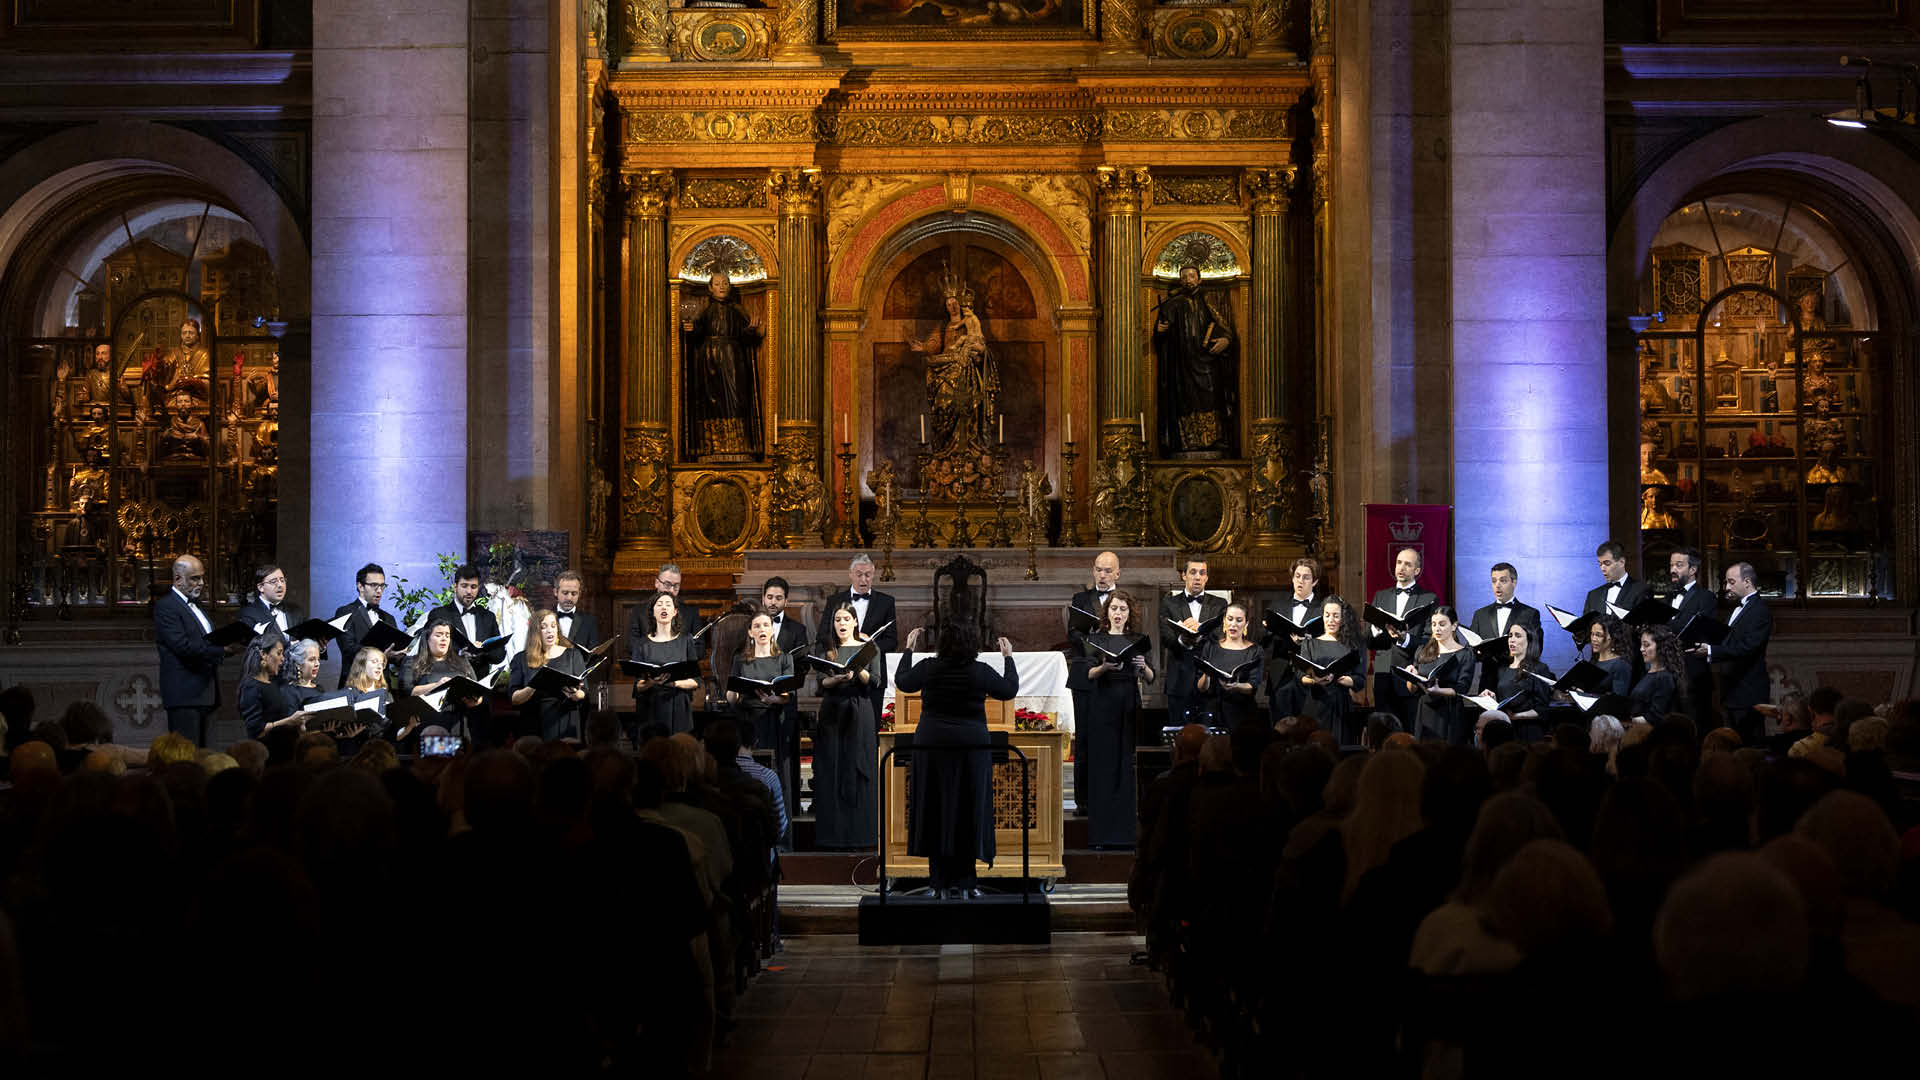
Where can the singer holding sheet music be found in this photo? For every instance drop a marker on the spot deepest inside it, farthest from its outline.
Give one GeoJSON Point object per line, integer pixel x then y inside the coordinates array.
{"type": "Point", "coordinates": [762, 661]}
{"type": "Point", "coordinates": [1285, 696]}
{"type": "Point", "coordinates": [300, 676]}
{"type": "Point", "coordinates": [1328, 698]}
{"type": "Point", "coordinates": [366, 682]}
{"type": "Point", "coordinates": [371, 583]}
{"type": "Point", "coordinates": [1105, 724]}
{"type": "Point", "coordinates": [1446, 664]}
{"type": "Point", "coordinates": [1610, 642]}
{"type": "Point", "coordinates": [660, 701]}
{"type": "Point", "coordinates": [1663, 689]}
{"type": "Point", "coordinates": [432, 667]}
{"type": "Point", "coordinates": [1514, 682]}
{"type": "Point", "coordinates": [1405, 597]}
{"type": "Point", "coordinates": [1190, 607]}
{"type": "Point", "coordinates": [846, 743]}
{"type": "Point", "coordinates": [262, 706]}
{"type": "Point", "coordinates": [1231, 701]}
{"type": "Point", "coordinates": [550, 714]}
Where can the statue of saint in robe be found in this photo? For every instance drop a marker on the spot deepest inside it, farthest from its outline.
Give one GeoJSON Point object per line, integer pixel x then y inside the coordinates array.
{"type": "Point", "coordinates": [1196, 349]}
{"type": "Point", "coordinates": [722, 415]}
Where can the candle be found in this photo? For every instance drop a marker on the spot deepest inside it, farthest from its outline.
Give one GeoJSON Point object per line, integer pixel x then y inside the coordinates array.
{"type": "Point", "coordinates": [1069, 427]}
{"type": "Point", "coordinates": [1143, 427]}
{"type": "Point", "coordinates": [844, 429]}
{"type": "Point", "coordinates": [1003, 427]}
{"type": "Point", "coordinates": [923, 429]}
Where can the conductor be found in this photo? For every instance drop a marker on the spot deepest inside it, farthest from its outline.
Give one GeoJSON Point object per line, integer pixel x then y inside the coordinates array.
{"type": "Point", "coordinates": [951, 816]}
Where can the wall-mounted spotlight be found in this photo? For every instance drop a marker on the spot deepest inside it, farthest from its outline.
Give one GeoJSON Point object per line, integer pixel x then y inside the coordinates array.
{"type": "Point", "coordinates": [1863, 114]}
{"type": "Point", "coordinates": [1639, 323]}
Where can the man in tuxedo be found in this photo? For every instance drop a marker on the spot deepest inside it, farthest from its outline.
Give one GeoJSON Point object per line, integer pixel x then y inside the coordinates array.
{"type": "Point", "coordinates": [1106, 574]}
{"type": "Point", "coordinates": [579, 627]}
{"type": "Point", "coordinates": [371, 581]}
{"type": "Point", "coordinates": [1742, 656]}
{"type": "Point", "coordinates": [640, 619]}
{"type": "Point", "coordinates": [1404, 595]}
{"type": "Point", "coordinates": [1493, 620]}
{"type": "Point", "coordinates": [465, 612]}
{"type": "Point", "coordinates": [1283, 683]}
{"type": "Point", "coordinates": [875, 609]}
{"type": "Point", "coordinates": [189, 665]}
{"type": "Point", "coordinates": [790, 635]}
{"type": "Point", "coordinates": [269, 603]}
{"type": "Point", "coordinates": [1693, 600]}
{"type": "Point", "coordinates": [1189, 607]}
{"type": "Point", "coordinates": [1618, 587]}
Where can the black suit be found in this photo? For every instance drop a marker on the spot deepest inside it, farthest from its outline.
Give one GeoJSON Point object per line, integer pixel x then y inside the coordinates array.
{"type": "Point", "coordinates": [1178, 664]}
{"type": "Point", "coordinates": [485, 625]}
{"type": "Point", "coordinates": [1486, 623]}
{"type": "Point", "coordinates": [189, 666]}
{"type": "Point", "coordinates": [880, 612]}
{"type": "Point", "coordinates": [1086, 600]}
{"type": "Point", "coordinates": [580, 627]}
{"type": "Point", "coordinates": [790, 634]}
{"type": "Point", "coordinates": [1698, 602]}
{"type": "Point", "coordinates": [1742, 661]}
{"type": "Point", "coordinates": [1089, 600]}
{"type": "Point", "coordinates": [1632, 591]}
{"type": "Point", "coordinates": [1284, 696]}
{"type": "Point", "coordinates": [1390, 686]}
{"type": "Point", "coordinates": [255, 611]}
{"type": "Point", "coordinates": [357, 627]}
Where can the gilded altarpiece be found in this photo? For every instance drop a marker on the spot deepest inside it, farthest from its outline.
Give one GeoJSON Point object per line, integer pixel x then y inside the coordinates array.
{"type": "Point", "coordinates": [957, 283]}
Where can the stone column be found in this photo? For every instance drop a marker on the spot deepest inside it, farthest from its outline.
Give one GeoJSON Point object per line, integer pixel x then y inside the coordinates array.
{"type": "Point", "coordinates": [1529, 242]}
{"type": "Point", "coordinates": [1271, 500]}
{"type": "Point", "coordinates": [799, 376]}
{"type": "Point", "coordinates": [390, 294]}
{"type": "Point", "coordinates": [646, 445]}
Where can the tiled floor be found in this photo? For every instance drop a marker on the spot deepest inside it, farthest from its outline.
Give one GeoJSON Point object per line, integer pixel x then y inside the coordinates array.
{"type": "Point", "coordinates": [1075, 1009]}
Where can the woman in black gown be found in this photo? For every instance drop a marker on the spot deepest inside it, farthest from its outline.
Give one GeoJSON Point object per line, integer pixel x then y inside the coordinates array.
{"type": "Point", "coordinates": [1232, 703]}
{"type": "Point", "coordinates": [262, 705]}
{"type": "Point", "coordinates": [761, 659]}
{"type": "Point", "coordinates": [430, 669]}
{"type": "Point", "coordinates": [659, 701]}
{"type": "Point", "coordinates": [1107, 723]}
{"type": "Point", "coordinates": [299, 676]}
{"type": "Point", "coordinates": [367, 686]}
{"type": "Point", "coordinates": [1516, 679]}
{"type": "Point", "coordinates": [545, 713]}
{"type": "Point", "coordinates": [1328, 699]}
{"type": "Point", "coordinates": [1610, 643]}
{"type": "Point", "coordinates": [950, 821]}
{"type": "Point", "coordinates": [846, 745]}
{"type": "Point", "coordinates": [1661, 690]}
{"type": "Point", "coordinates": [1448, 663]}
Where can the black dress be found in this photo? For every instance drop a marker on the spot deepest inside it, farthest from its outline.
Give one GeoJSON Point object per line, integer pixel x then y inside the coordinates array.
{"type": "Point", "coordinates": [1533, 694]}
{"type": "Point", "coordinates": [1441, 717]}
{"type": "Point", "coordinates": [261, 704]}
{"type": "Point", "coordinates": [1105, 724]}
{"type": "Point", "coordinates": [764, 718]}
{"type": "Point", "coordinates": [950, 819]}
{"type": "Point", "coordinates": [1329, 704]}
{"type": "Point", "coordinates": [1653, 696]}
{"type": "Point", "coordinates": [1231, 709]}
{"type": "Point", "coordinates": [846, 751]}
{"type": "Point", "coordinates": [1619, 675]}
{"type": "Point", "coordinates": [550, 716]}
{"type": "Point", "coordinates": [666, 705]}
{"type": "Point", "coordinates": [452, 712]}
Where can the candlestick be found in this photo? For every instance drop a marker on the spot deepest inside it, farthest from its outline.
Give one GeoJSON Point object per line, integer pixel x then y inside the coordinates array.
{"type": "Point", "coordinates": [846, 433]}
{"type": "Point", "coordinates": [1069, 524]}
{"type": "Point", "coordinates": [1069, 427]}
{"type": "Point", "coordinates": [1003, 427]}
{"type": "Point", "coordinates": [923, 429]}
{"type": "Point", "coordinates": [849, 502]}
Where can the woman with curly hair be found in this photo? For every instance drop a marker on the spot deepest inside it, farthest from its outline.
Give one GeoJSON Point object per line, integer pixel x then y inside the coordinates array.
{"type": "Point", "coordinates": [1610, 643]}
{"type": "Point", "coordinates": [1328, 698]}
{"type": "Point", "coordinates": [1663, 689]}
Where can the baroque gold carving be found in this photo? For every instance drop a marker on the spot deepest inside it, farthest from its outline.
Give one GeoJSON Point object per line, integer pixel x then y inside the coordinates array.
{"type": "Point", "coordinates": [649, 31]}
{"type": "Point", "coordinates": [723, 35]}
{"type": "Point", "coordinates": [1122, 187]}
{"type": "Point", "coordinates": [1120, 25]}
{"type": "Point", "coordinates": [721, 193]}
{"type": "Point", "coordinates": [1271, 500]}
{"type": "Point", "coordinates": [799, 20]}
{"type": "Point", "coordinates": [1201, 33]}
{"type": "Point", "coordinates": [851, 198]}
{"type": "Point", "coordinates": [1231, 484]}
{"type": "Point", "coordinates": [798, 496]}
{"type": "Point", "coordinates": [797, 191]}
{"type": "Point", "coordinates": [1119, 490]}
{"type": "Point", "coordinates": [1068, 196]}
{"type": "Point", "coordinates": [1213, 189]}
{"type": "Point", "coordinates": [1270, 188]}
{"type": "Point", "coordinates": [648, 192]}
{"type": "Point", "coordinates": [1158, 124]}
{"type": "Point", "coordinates": [643, 483]}
{"type": "Point", "coordinates": [962, 129]}
{"type": "Point", "coordinates": [720, 512]}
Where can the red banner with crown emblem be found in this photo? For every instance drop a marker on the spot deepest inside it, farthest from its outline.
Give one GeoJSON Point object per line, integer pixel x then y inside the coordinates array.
{"type": "Point", "coordinates": [1427, 529]}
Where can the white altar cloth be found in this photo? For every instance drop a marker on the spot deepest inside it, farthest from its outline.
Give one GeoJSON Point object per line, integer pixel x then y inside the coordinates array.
{"type": "Point", "coordinates": [1043, 682]}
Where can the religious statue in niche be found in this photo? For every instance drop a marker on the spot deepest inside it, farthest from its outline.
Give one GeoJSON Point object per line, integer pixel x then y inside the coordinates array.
{"type": "Point", "coordinates": [963, 393]}
{"type": "Point", "coordinates": [1196, 349]}
{"type": "Point", "coordinates": [1653, 392]}
{"type": "Point", "coordinates": [185, 435]}
{"type": "Point", "coordinates": [1652, 514]}
{"type": "Point", "coordinates": [1835, 514]}
{"type": "Point", "coordinates": [719, 340]}
{"type": "Point", "coordinates": [798, 493]}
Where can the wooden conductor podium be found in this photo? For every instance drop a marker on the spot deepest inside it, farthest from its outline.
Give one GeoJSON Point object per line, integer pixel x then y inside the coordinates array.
{"type": "Point", "coordinates": [1047, 841]}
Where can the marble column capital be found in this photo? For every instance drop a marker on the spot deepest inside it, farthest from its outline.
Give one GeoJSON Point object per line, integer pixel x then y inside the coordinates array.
{"type": "Point", "coordinates": [648, 192]}
{"type": "Point", "coordinates": [1270, 188]}
{"type": "Point", "coordinates": [796, 190]}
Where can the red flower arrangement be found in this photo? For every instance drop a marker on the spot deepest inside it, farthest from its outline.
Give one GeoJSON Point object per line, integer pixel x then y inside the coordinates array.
{"type": "Point", "coordinates": [886, 718]}
{"type": "Point", "coordinates": [1032, 720]}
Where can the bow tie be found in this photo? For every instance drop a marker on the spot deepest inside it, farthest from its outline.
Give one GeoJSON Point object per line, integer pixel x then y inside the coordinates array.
{"type": "Point", "coordinates": [568, 613]}
{"type": "Point", "coordinates": [273, 609]}
{"type": "Point", "coordinates": [1404, 590]}
{"type": "Point", "coordinates": [1504, 604]}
